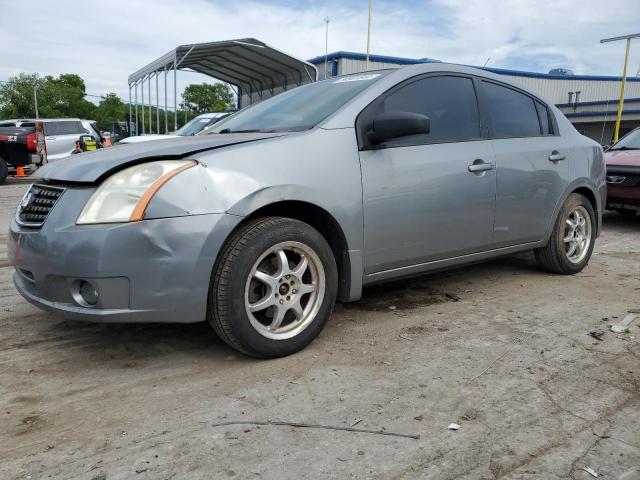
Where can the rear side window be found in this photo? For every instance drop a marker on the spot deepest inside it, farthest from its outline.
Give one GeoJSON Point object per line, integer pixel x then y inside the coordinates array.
{"type": "Point", "coordinates": [449, 102]}
{"type": "Point", "coordinates": [68, 128]}
{"type": "Point", "coordinates": [513, 114]}
{"type": "Point", "coordinates": [52, 128]}
{"type": "Point", "coordinates": [545, 121]}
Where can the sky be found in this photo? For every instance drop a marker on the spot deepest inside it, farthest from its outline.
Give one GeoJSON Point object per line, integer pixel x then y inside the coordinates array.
{"type": "Point", "coordinates": [105, 42]}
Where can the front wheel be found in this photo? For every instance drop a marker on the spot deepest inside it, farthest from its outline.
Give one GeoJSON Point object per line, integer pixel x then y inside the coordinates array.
{"type": "Point", "coordinates": [273, 287]}
{"type": "Point", "coordinates": [572, 240]}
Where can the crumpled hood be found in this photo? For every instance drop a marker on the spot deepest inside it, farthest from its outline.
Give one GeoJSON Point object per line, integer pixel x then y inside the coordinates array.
{"type": "Point", "coordinates": [90, 167]}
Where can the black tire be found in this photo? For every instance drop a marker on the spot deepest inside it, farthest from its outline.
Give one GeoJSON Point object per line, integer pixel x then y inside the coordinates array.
{"type": "Point", "coordinates": [553, 257]}
{"type": "Point", "coordinates": [4, 170]}
{"type": "Point", "coordinates": [227, 311]}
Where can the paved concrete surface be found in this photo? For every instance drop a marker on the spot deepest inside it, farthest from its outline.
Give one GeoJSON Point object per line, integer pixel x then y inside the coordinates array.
{"type": "Point", "coordinates": [512, 362]}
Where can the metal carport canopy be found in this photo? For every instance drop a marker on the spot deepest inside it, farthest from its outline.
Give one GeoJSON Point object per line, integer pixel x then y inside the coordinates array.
{"type": "Point", "coordinates": [257, 69]}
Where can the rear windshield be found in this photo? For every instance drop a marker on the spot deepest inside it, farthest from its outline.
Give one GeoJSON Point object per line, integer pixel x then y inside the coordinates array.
{"type": "Point", "coordinates": [194, 126]}
{"type": "Point", "coordinates": [299, 109]}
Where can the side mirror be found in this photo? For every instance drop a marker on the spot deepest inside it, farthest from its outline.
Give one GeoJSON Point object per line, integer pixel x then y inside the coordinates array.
{"type": "Point", "coordinates": [389, 125]}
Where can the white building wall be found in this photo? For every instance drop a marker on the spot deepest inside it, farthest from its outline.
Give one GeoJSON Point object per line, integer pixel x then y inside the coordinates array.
{"type": "Point", "coordinates": [553, 90]}
{"type": "Point", "coordinates": [557, 90]}
{"type": "Point", "coordinates": [347, 66]}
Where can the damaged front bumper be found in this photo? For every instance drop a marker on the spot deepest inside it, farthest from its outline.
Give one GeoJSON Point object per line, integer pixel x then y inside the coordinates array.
{"type": "Point", "coordinates": [149, 271]}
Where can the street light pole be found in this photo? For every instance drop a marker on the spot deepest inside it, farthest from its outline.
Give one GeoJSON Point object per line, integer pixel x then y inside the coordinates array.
{"type": "Point", "coordinates": [326, 46]}
{"type": "Point", "coordinates": [624, 78]}
{"type": "Point", "coordinates": [35, 99]}
{"type": "Point", "coordinates": [368, 36]}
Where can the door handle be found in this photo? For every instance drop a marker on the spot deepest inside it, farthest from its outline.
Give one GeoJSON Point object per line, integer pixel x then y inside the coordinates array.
{"type": "Point", "coordinates": [49, 138]}
{"type": "Point", "coordinates": [556, 156]}
{"type": "Point", "coordinates": [479, 166]}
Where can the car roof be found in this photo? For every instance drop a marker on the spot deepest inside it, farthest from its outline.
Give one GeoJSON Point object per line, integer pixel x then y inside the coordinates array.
{"type": "Point", "coordinates": [45, 120]}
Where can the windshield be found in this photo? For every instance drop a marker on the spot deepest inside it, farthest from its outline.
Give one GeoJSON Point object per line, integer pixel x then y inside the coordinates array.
{"type": "Point", "coordinates": [629, 142]}
{"type": "Point", "coordinates": [193, 127]}
{"type": "Point", "coordinates": [299, 109]}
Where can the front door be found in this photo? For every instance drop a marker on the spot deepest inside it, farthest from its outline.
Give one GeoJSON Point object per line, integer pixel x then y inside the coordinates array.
{"type": "Point", "coordinates": [430, 196]}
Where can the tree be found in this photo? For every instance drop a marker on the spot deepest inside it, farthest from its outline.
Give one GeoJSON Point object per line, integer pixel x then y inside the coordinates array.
{"type": "Point", "coordinates": [16, 96]}
{"type": "Point", "coordinates": [61, 96]}
{"type": "Point", "coordinates": [111, 109]}
{"type": "Point", "coordinates": [64, 97]}
{"type": "Point", "coordinates": [204, 97]}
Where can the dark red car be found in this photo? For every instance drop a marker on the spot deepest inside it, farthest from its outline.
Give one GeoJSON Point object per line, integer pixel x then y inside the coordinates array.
{"type": "Point", "coordinates": [623, 174]}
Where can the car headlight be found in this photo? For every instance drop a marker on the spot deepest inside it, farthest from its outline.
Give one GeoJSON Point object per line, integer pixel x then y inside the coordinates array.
{"type": "Point", "coordinates": [124, 196]}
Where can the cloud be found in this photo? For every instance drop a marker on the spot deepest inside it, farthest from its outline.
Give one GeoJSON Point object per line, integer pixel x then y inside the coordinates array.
{"type": "Point", "coordinates": [104, 44]}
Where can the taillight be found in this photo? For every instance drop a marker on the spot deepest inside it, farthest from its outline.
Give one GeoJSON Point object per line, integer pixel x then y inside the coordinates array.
{"type": "Point", "coordinates": [31, 142]}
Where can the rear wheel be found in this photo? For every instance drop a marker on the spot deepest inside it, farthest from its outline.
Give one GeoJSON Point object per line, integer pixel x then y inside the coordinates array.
{"type": "Point", "coordinates": [572, 240]}
{"type": "Point", "coordinates": [4, 170]}
{"type": "Point", "coordinates": [273, 288]}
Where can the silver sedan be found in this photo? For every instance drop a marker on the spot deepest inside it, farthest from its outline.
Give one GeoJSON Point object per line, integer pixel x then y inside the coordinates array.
{"type": "Point", "coordinates": [301, 200]}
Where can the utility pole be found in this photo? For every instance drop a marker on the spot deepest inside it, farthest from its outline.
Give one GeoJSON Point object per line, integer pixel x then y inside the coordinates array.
{"type": "Point", "coordinates": [35, 100]}
{"type": "Point", "coordinates": [326, 46]}
{"type": "Point", "coordinates": [624, 78]}
{"type": "Point", "coordinates": [368, 36]}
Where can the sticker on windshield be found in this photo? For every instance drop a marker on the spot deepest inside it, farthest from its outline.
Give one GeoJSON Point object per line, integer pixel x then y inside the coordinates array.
{"type": "Point", "coordinates": [357, 78]}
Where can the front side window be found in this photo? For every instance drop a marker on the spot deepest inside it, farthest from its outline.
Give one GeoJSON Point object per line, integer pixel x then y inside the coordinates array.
{"type": "Point", "coordinates": [449, 102]}
{"type": "Point", "coordinates": [513, 114]}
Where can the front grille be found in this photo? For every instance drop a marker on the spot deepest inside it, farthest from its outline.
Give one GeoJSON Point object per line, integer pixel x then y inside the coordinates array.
{"type": "Point", "coordinates": [36, 204]}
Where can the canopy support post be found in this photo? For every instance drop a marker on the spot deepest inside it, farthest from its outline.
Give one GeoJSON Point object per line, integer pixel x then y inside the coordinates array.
{"type": "Point", "coordinates": [129, 119]}
{"type": "Point", "coordinates": [175, 93]}
{"type": "Point", "coordinates": [142, 104]}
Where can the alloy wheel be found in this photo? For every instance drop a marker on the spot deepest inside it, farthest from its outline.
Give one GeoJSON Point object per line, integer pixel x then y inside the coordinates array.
{"type": "Point", "coordinates": [577, 234]}
{"type": "Point", "coordinates": [284, 290]}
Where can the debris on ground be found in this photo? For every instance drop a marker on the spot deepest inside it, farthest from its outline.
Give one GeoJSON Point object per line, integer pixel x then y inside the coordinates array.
{"type": "Point", "coordinates": [453, 426]}
{"type": "Point", "coordinates": [311, 426]}
{"type": "Point", "coordinates": [623, 326]}
{"type": "Point", "coordinates": [597, 334]}
{"type": "Point", "coordinates": [452, 297]}
{"type": "Point", "coordinates": [590, 471]}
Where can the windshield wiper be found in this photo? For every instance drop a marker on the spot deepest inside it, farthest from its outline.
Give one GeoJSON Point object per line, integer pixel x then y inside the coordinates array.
{"type": "Point", "coordinates": [624, 148]}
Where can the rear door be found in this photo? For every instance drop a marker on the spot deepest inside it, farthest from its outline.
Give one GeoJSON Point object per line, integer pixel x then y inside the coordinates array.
{"type": "Point", "coordinates": [531, 162]}
{"type": "Point", "coordinates": [430, 196]}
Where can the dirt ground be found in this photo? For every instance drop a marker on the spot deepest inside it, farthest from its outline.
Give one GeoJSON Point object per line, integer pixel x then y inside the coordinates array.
{"type": "Point", "coordinates": [500, 348]}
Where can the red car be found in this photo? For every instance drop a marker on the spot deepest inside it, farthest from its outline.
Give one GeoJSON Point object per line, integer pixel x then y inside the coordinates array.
{"type": "Point", "coordinates": [623, 174]}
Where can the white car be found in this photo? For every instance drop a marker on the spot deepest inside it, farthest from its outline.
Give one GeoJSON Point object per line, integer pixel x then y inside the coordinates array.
{"type": "Point", "coordinates": [193, 127]}
{"type": "Point", "coordinates": [61, 134]}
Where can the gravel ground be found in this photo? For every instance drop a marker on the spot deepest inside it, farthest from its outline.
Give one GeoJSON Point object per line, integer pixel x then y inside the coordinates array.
{"type": "Point", "coordinates": [500, 348]}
